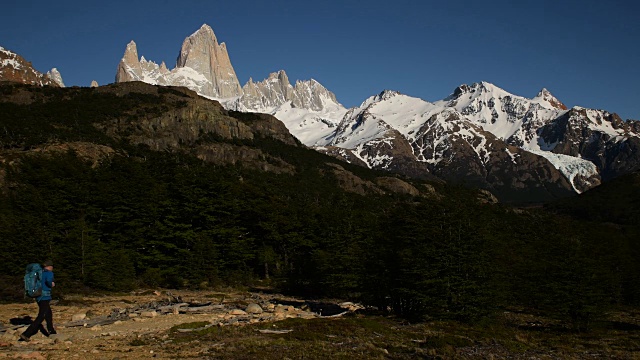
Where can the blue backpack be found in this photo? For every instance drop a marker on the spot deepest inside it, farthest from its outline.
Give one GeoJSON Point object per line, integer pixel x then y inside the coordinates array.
{"type": "Point", "coordinates": [33, 280]}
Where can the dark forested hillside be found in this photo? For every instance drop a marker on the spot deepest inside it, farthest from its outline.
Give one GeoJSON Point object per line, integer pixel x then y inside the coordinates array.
{"type": "Point", "coordinates": [132, 185]}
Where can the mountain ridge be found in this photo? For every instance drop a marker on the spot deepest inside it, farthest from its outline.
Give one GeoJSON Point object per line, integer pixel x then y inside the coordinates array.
{"type": "Point", "coordinates": [479, 134]}
{"type": "Point", "coordinates": [15, 68]}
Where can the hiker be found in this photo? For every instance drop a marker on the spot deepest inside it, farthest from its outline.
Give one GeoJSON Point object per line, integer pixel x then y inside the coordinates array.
{"type": "Point", "coordinates": [44, 306]}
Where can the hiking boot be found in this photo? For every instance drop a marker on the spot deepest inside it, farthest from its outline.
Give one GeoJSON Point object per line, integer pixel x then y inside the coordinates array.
{"type": "Point", "coordinates": [23, 337]}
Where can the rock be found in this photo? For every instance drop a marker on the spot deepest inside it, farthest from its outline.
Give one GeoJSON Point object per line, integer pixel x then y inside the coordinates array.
{"type": "Point", "coordinates": [9, 336]}
{"type": "Point", "coordinates": [55, 76]}
{"type": "Point", "coordinates": [59, 338]}
{"type": "Point", "coordinates": [96, 328]}
{"type": "Point", "coordinates": [486, 197]}
{"type": "Point", "coordinates": [133, 315]}
{"type": "Point", "coordinates": [30, 355]}
{"type": "Point", "coordinates": [203, 65]}
{"type": "Point", "coordinates": [149, 314]}
{"type": "Point", "coordinates": [253, 308]}
{"type": "Point", "coordinates": [138, 319]}
{"type": "Point", "coordinates": [4, 344]}
{"type": "Point", "coordinates": [397, 186]}
{"type": "Point", "coordinates": [202, 53]}
{"type": "Point", "coordinates": [237, 312]}
{"type": "Point", "coordinates": [350, 306]}
{"type": "Point", "coordinates": [94, 84]}
{"type": "Point", "coordinates": [276, 90]}
{"type": "Point", "coordinates": [307, 315]}
{"type": "Point", "coordinates": [291, 308]}
{"type": "Point", "coordinates": [79, 316]}
{"type": "Point", "coordinates": [118, 322]}
{"type": "Point", "coordinates": [15, 68]}
{"type": "Point", "coordinates": [270, 307]}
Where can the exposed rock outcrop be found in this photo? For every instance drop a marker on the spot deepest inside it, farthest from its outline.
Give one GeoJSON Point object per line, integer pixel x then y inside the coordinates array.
{"type": "Point", "coordinates": [203, 66]}
{"type": "Point", "coordinates": [267, 95]}
{"type": "Point", "coordinates": [15, 68]}
{"type": "Point", "coordinates": [55, 76]}
{"type": "Point", "coordinates": [202, 53]}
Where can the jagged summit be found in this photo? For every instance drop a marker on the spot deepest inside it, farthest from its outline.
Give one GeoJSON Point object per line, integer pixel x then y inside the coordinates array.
{"type": "Point", "coordinates": [204, 30]}
{"type": "Point", "coordinates": [55, 75]}
{"type": "Point", "coordinates": [14, 67]}
{"type": "Point", "coordinates": [545, 96]}
{"type": "Point", "coordinates": [202, 53]}
{"type": "Point", "coordinates": [203, 65]}
{"type": "Point", "coordinates": [387, 94]}
{"type": "Point", "coordinates": [269, 94]}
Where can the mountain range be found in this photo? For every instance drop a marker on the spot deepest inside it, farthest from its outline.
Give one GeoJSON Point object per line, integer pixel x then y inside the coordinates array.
{"type": "Point", "coordinates": [520, 149]}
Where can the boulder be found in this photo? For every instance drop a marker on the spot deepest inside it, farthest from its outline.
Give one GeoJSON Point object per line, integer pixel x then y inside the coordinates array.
{"type": "Point", "coordinates": [253, 309]}
{"type": "Point", "coordinates": [149, 314]}
{"type": "Point", "coordinates": [79, 316]}
{"type": "Point", "coordinates": [307, 315]}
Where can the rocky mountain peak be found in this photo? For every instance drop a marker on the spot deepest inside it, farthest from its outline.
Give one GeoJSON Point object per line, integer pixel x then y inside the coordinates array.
{"type": "Point", "coordinates": [54, 75]}
{"type": "Point", "coordinates": [206, 32]}
{"type": "Point", "coordinates": [129, 68]}
{"type": "Point", "coordinates": [202, 53]}
{"type": "Point", "coordinates": [387, 94]}
{"type": "Point", "coordinates": [131, 52]}
{"type": "Point", "coordinates": [14, 67]}
{"type": "Point", "coordinates": [163, 68]}
{"type": "Point", "coordinates": [545, 96]}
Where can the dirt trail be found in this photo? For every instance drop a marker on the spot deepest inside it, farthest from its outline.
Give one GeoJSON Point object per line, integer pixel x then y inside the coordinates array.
{"type": "Point", "coordinates": [125, 339]}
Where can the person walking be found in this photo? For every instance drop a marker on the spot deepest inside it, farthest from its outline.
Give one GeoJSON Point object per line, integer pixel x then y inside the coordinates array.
{"type": "Point", "coordinates": [44, 306]}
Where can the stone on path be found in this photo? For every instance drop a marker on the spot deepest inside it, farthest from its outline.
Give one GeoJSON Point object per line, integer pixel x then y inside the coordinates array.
{"type": "Point", "coordinates": [79, 316]}
{"type": "Point", "coordinates": [149, 314]}
{"type": "Point", "coordinates": [253, 309]}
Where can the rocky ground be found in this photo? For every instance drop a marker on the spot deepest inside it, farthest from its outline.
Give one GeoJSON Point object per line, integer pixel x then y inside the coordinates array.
{"type": "Point", "coordinates": [88, 329]}
{"type": "Point", "coordinates": [257, 325]}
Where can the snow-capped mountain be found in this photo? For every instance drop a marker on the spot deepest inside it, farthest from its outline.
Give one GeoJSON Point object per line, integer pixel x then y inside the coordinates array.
{"type": "Point", "coordinates": [396, 132]}
{"type": "Point", "coordinates": [203, 66]}
{"type": "Point", "coordinates": [484, 135]}
{"type": "Point", "coordinates": [309, 110]}
{"type": "Point", "coordinates": [55, 76]}
{"type": "Point", "coordinates": [14, 67]}
{"type": "Point", "coordinates": [480, 134]}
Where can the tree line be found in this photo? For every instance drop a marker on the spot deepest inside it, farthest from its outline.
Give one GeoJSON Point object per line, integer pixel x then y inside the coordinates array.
{"type": "Point", "coordinates": [170, 220]}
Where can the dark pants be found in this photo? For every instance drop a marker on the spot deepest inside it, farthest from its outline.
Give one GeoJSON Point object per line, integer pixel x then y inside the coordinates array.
{"type": "Point", "coordinates": [44, 313]}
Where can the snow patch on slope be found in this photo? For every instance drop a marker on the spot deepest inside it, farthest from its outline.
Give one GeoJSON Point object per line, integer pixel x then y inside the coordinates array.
{"type": "Point", "coordinates": [569, 166]}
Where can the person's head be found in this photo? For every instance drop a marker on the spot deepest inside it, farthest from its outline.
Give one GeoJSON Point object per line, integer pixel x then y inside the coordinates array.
{"type": "Point", "coordinates": [48, 265]}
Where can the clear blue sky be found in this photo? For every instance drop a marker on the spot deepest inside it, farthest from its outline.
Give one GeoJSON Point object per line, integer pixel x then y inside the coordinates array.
{"type": "Point", "coordinates": [585, 52]}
